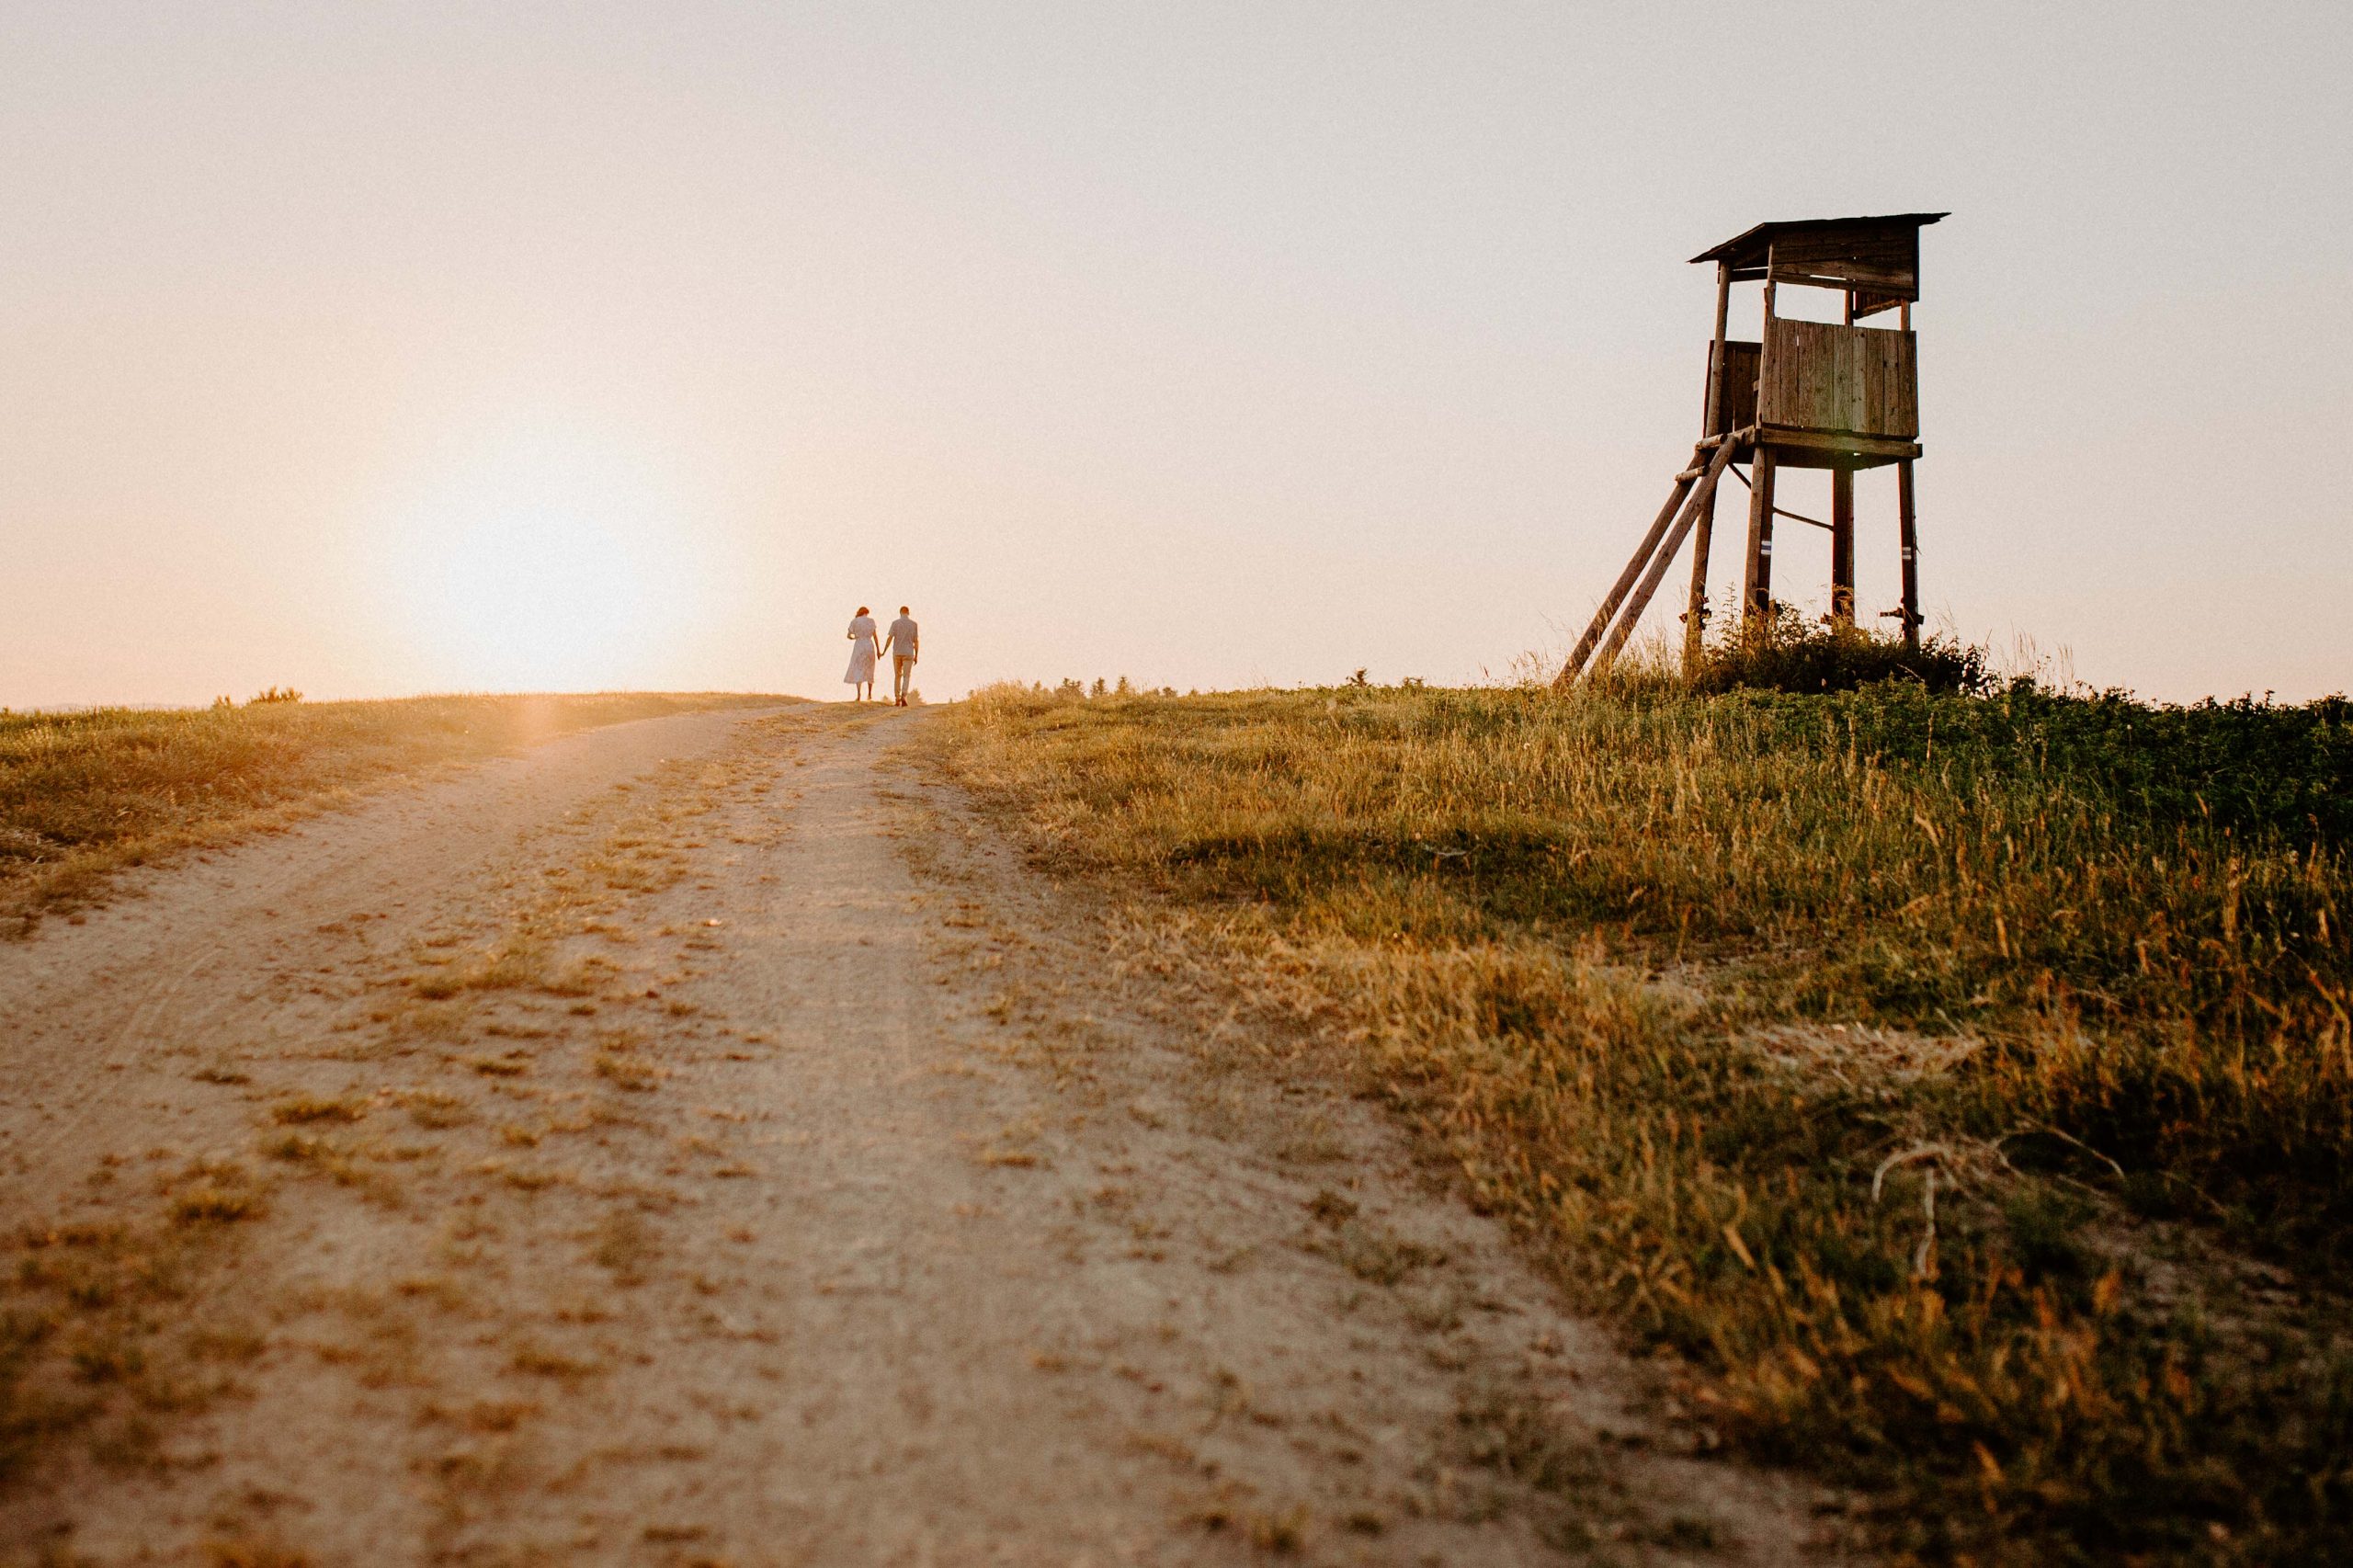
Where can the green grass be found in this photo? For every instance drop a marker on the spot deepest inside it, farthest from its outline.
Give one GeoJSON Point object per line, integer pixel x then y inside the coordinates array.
{"type": "Point", "coordinates": [85, 795]}
{"type": "Point", "coordinates": [1945, 1080]}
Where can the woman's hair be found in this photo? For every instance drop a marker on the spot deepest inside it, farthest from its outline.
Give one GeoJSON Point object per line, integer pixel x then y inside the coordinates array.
{"type": "Point", "coordinates": [862, 610]}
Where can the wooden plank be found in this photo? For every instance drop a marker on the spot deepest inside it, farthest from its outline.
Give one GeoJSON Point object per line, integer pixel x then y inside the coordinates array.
{"type": "Point", "coordinates": [1901, 282]}
{"type": "Point", "coordinates": [1703, 495]}
{"type": "Point", "coordinates": [1626, 579]}
{"type": "Point", "coordinates": [1896, 391]}
{"type": "Point", "coordinates": [1835, 445]}
{"type": "Point", "coordinates": [1789, 457]}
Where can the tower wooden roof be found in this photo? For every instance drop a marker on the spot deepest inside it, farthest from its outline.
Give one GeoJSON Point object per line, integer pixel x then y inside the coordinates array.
{"type": "Point", "coordinates": [1746, 252]}
{"type": "Point", "coordinates": [1876, 258]}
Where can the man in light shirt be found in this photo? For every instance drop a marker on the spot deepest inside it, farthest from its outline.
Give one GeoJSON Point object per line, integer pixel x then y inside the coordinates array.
{"type": "Point", "coordinates": [902, 646]}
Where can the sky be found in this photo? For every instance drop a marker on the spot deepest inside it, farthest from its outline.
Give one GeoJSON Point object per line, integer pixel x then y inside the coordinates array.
{"type": "Point", "coordinates": [373, 350]}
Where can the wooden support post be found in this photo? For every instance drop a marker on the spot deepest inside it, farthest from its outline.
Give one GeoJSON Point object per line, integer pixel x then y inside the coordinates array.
{"type": "Point", "coordinates": [1909, 537]}
{"type": "Point", "coordinates": [1703, 496]}
{"type": "Point", "coordinates": [1841, 529]}
{"type": "Point", "coordinates": [1695, 614]}
{"type": "Point", "coordinates": [1756, 589]}
{"type": "Point", "coordinates": [1716, 351]}
{"type": "Point", "coordinates": [1757, 584]}
{"type": "Point", "coordinates": [1626, 579]}
{"type": "Point", "coordinates": [1842, 546]}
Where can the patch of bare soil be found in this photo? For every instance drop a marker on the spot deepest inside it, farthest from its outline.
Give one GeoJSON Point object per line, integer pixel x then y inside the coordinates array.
{"type": "Point", "coordinates": [703, 1140]}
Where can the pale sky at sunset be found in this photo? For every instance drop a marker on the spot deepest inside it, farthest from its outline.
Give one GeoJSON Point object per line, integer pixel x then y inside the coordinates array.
{"type": "Point", "coordinates": [381, 349]}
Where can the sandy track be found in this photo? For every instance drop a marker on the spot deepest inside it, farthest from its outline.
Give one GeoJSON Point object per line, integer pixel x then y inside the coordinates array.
{"type": "Point", "coordinates": [228, 950]}
{"type": "Point", "coordinates": [756, 1163]}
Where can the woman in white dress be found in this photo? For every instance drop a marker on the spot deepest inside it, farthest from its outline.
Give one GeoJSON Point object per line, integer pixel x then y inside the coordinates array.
{"type": "Point", "coordinates": [863, 651]}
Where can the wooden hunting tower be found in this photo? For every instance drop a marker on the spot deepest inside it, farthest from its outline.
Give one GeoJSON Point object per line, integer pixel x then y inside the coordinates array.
{"type": "Point", "coordinates": [1810, 394]}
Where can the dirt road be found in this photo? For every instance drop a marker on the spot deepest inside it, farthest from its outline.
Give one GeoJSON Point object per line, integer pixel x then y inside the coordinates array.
{"type": "Point", "coordinates": [705, 1141]}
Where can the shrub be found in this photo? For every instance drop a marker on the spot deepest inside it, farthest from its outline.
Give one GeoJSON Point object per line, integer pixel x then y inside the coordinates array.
{"type": "Point", "coordinates": [1787, 653]}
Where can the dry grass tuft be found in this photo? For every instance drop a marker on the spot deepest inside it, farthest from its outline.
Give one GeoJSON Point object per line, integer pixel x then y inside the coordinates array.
{"type": "Point", "coordinates": [540, 1361]}
{"type": "Point", "coordinates": [305, 1108]}
{"type": "Point", "coordinates": [1282, 1534]}
{"type": "Point", "coordinates": [205, 1205]}
{"type": "Point", "coordinates": [626, 1073]}
{"type": "Point", "coordinates": [434, 1109]}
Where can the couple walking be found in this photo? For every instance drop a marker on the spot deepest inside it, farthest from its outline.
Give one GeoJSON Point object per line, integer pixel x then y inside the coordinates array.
{"type": "Point", "coordinates": [864, 651]}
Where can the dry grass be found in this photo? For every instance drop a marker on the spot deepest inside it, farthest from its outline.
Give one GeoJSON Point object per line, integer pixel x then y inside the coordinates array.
{"type": "Point", "coordinates": [1961, 1087]}
{"type": "Point", "coordinates": [87, 1313]}
{"type": "Point", "coordinates": [83, 795]}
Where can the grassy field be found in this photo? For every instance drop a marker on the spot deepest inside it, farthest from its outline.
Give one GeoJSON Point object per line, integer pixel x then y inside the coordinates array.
{"type": "Point", "coordinates": [85, 795]}
{"type": "Point", "coordinates": [1960, 1089]}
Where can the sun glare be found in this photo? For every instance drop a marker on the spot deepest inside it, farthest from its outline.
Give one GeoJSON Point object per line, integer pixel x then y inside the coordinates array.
{"type": "Point", "coordinates": [549, 569]}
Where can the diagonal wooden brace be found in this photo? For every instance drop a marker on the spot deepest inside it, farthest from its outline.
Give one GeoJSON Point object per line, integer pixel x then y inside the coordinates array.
{"type": "Point", "coordinates": [1690, 511]}
{"type": "Point", "coordinates": [1626, 579]}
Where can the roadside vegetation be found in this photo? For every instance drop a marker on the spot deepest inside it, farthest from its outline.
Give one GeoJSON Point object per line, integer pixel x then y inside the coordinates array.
{"type": "Point", "coordinates": [1957, 1086]}
{"type": "Point", "coordinates": [85, 795]}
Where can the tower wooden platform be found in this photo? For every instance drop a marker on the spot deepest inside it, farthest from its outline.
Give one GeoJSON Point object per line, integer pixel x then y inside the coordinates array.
{"type": "Point", "coordinates": [1835, 395]}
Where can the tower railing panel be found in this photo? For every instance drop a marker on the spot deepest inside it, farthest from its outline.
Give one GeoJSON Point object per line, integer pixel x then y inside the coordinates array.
{"type": "Point", "coordinates": [1852, 379]}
